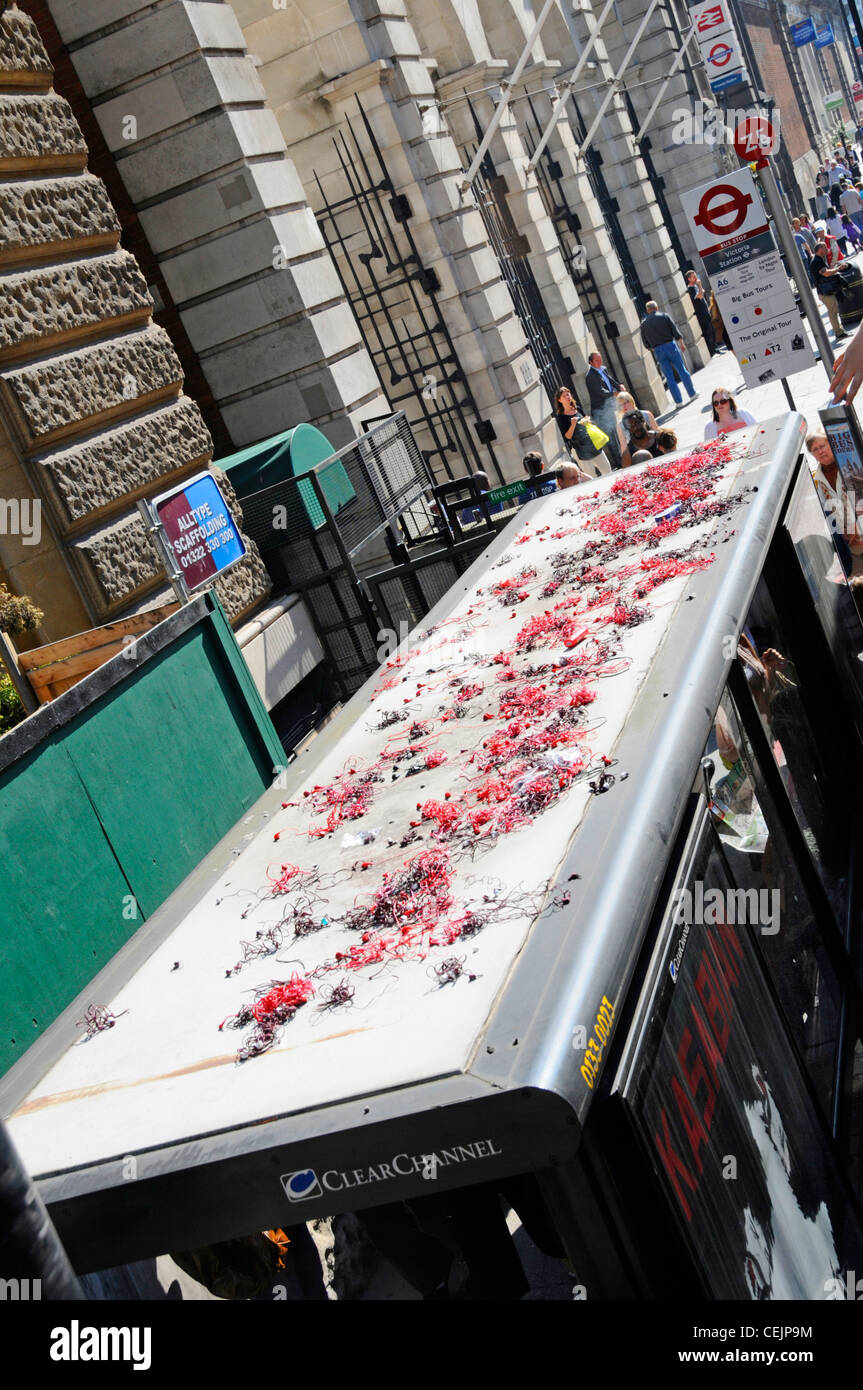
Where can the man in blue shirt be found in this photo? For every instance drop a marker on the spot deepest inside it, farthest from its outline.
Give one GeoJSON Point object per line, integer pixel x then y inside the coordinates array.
{"type": "Point", "coordinates": [660, 333]}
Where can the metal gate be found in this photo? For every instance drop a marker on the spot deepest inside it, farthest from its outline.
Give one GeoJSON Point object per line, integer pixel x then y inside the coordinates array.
{"type": "Point", "coordinates": [567, 224]}
{"type": "Point", "coordinates": [395, 301]}
{"type": "Point", "coordinates": [511, 250]}
{"type": "Point", "coordinates": [360, 537]}
{"type": "Point", "coordinates": [609, 208]}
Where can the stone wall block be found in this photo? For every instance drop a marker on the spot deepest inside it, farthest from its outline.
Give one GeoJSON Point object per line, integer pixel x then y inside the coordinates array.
{"type": "Point", "coordinates": [280, 349]}
{"type": "Point", "coordinates": [22, 57]}
{"type": "Point", "coordinates": [247, 583]}
{"type": "Point", "coordinates": [259, 248]}
{"type": "Point", "coordinates": [101, 472]}
{"type": "Point", "coordinates": [215, 141]}
{"type": "Point", "coordinates": [53, 216]}
{"type": "Point", "coordinates": [173, 97]}
{"type": "Point", "coordinates": [74, 19]}
{"type": "Point", "coordinates": [118, 561]}
{"type": "Point", "coordinates": [165, 36]}
{"type": "Point", "coordinates": [57, 395]}
{"type": "Point", "coordinates": [39, 132]}
{"type": "Point", "coordinates": [60, 302]}
{"type": "Point", "coordinates": [197, 212]}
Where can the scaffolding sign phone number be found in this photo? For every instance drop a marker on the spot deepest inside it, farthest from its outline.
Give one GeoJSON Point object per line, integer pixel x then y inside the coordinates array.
{"type": "Point", "coordinates": [198, 527]}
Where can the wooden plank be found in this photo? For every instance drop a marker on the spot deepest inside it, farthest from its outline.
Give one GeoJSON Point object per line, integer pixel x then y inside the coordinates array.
{"type": "Point", "coordinates": [75, 666]}
{"type": "Point", "coordinates": [95, 637]}
{"type": "Point", "coordinates": [59, 686]}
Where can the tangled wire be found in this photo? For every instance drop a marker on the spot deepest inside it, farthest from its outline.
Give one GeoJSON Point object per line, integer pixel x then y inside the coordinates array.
{"type": "Point", "coordinates": [97, 1019]}
{"type": "Point", "coordinates": [524, 717]}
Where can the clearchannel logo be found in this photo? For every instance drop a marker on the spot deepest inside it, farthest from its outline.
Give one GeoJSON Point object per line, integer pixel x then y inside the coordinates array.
{"type": "Point", "coordinates": [305, 1184]}
{"type": "Point", "coordinates": [301, 1186]}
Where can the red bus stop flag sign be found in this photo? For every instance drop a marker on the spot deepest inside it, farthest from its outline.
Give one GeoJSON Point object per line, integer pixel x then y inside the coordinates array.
{"type": "Point", "coordinates": [754, 140]}
{"type": "Point", "coordinates": [722, 211]}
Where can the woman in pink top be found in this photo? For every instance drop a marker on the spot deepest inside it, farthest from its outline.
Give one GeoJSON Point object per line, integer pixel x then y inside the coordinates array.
{"type": "Point", "coordinates": [726, 416]}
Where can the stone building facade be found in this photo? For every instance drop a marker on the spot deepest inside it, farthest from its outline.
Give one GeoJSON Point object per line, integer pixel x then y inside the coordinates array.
{"type": "Point", "coordinates": [92, 409]}
{"type": "Point", "coordinates": [230, 126]}
{"type": "Point", "coordinates": [291, 175]}
{"type": "Point", "coordinates": [536, 268]}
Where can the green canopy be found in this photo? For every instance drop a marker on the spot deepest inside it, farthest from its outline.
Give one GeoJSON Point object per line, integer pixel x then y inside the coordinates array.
{"type": "Point", "coordinates": [289, 455]}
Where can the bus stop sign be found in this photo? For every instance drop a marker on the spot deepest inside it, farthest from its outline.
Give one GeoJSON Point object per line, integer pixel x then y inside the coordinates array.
{"type": "Point", "coordinates": [754, 140]}
{"type": "Point", "coordinates": [722, 211]}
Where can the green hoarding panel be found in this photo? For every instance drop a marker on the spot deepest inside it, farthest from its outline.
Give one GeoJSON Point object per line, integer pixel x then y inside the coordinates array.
{"type": "Point", "coordinates": [105, 816]}
{"type": "Point", "coordinates": [62, 897]}
{"type": "Point", "coordinates": [165, 801]}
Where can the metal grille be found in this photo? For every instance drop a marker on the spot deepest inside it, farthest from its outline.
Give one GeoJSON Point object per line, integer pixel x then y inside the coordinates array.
{"type": "Point", "coordinates": [368, 485]}
{"type": "Point", "coordinates": [327, 533]}
{"type": "Point", "coordinates": [395, 301]}
{"type": "Point", "coordinates": [568, 227]}
{"type": "Point", "coordinates": [406, 593]}
{"type": "Point", "coordinates": [511, 250]}
{"type": "Point", "coordinates": [609, 208]}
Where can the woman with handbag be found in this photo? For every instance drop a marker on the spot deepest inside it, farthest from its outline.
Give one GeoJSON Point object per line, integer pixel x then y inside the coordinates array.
{"type": "Point", "coordinates": [584, 438]}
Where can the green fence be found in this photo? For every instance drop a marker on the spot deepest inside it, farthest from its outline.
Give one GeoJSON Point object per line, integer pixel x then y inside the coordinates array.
{"type": "Point", "coordinates": [110, 796]}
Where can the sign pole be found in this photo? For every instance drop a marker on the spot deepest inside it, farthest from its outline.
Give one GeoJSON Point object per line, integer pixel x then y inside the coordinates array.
{"type": "Point", "coordinates": [795, 263]}
{"type": "Point", "coordinates": [154, 529]}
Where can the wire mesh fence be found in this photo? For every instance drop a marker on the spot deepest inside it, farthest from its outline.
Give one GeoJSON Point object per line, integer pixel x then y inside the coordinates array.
{"type": "Point", "coordinates": [366, 541]}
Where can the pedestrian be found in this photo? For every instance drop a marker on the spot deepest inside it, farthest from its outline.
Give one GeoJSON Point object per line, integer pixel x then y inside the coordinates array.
{"type": "Point", "coordinates": [660, 333]}
{"type": "Point", "coordinates": [625, 404]}
{"type": "Point", "coordinates": [722, 343]}
{"type": "Point", "coordinates": [806, 229]}
{"type": "Point", "coordinates": [570, 417]}
{"type": "Point", "coordinates": [822, 277]}
{"type": "Point", "coordinates": [837, 231]}
{"type": "Point", "coordinates": [539, 478]}
{"type": "Point", "coordinates": [666, 441]}
{"type": "Point", "coordinates": [570, 475]}
{"type": "Point", "coordinates": [805, 243]}
{"type": "Point", "coordinates": [641, 437]}
{"type": "Point", "coordinates": [834, 251]}
{"type": "Point", "coordinates": [702, 310]}
{"type": "Point", "coordinates": [852, 205]}
{"type": "Point", "coordinates": [726, 416]}
{"type": "Point", "coordinates": [568, 414]}
{"type": "Point", "coordinates": [603, 391]}
{"type": "Point", "coordinates": [802, 230]}
{"type": "Point", "coordinates": [853, 234]}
